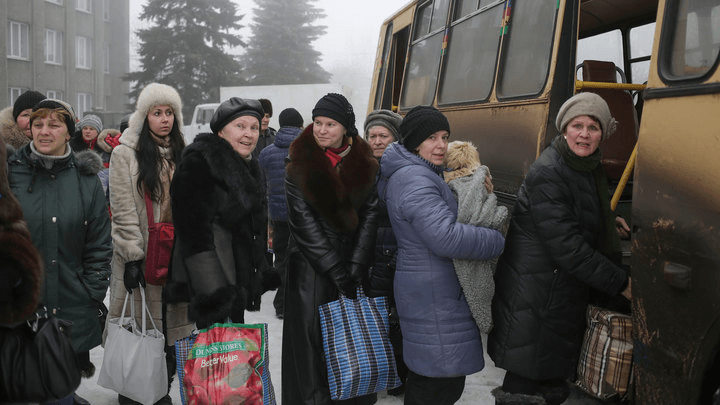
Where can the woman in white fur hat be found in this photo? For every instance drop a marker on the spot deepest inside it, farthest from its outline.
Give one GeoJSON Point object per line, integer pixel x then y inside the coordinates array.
{"type": "Point", "coordinates": [144, 161]}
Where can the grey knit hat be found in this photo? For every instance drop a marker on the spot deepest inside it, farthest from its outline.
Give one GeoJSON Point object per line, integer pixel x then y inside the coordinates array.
{"type": "Point", "coordinates": [386, 119]}
{"type": "Point", "coordinates": [91, 120]}
{"type": "Point", "coordinates": [587, 104]}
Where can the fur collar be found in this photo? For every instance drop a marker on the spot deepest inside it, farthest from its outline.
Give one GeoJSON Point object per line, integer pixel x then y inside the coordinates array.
{"type": "Point", "coordinates": [240, 178]}
{"type": "Point", "coordinates": [102, 139]}
{"type": "Point", "coordinates": [9, 130]}
{"type": "Point", "coordinates": [335, 194]}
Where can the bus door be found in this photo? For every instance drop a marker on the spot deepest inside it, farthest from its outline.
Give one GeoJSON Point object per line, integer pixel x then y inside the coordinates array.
{"type": "Point", "coordinates": [676, 211]}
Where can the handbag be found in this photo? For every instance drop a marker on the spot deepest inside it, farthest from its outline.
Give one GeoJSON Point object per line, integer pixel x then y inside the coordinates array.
{"type": "Point", "coordinates": [356, 343]}
{"type": "Point", "coordinates": [37, 361]}
{"type": "Point", "coordinates": [605, 366]}
{"type": "Point", "coordinates": [134, 362]}
{"type": "Point", "coordinates": [225, 363]}
{"type": "Point", "coordinates": [159, 250]}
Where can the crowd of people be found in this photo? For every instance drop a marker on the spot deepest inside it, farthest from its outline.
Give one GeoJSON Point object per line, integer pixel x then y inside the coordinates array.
{"type": "Point", "coordinates": [338, 209]}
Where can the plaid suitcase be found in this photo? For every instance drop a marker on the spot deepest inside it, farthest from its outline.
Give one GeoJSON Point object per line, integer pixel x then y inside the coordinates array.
{"type": "Point", "coordinates": [605, 366]}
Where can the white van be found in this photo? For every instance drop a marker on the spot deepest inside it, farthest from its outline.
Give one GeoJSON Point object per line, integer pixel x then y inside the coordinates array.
{"type": "Point", "coordinates": [200, 121]}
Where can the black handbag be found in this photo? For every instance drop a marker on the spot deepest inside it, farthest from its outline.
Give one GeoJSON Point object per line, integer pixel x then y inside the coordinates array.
{"type": "Point", "coordinates": [37, 361]}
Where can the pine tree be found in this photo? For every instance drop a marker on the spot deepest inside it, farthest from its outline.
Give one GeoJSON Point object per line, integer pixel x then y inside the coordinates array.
{"type": "Point", "coordinates": [187, 48]}
{"type": "Point", "coordinates": [279, 50]}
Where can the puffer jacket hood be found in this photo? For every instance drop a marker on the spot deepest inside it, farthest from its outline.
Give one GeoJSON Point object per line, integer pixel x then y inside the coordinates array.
{"type": "Point", "coordinates": [285, 136]}
{"type": "Point", "coordinates": [9, 130]}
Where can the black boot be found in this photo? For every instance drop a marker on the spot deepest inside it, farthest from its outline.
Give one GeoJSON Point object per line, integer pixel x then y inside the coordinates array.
{"type": "Point", "coordinates": [505, 398]}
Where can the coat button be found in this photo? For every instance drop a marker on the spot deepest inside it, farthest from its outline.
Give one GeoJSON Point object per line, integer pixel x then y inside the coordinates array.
{"type": "Point", "coordinates": [555, 271]}
{"type": "Point", "coordinates": [54, 219]}
{"type": "Point", "coordinates": [52, 176]}
{"type": "Point", "coordinates": [53, 262]}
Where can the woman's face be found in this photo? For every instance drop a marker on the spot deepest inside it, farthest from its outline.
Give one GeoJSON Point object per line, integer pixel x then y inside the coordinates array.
{"type": "Point", "coordinates": [434, 147]}
{"type": "Point", "coordinates": [160, 120]}
{"type": "Point", "coordinates": [328, 133]}
{"type": "Point", "coordinates": [89, 133]}
{"type": "Point", "coordinates": [23, 122]}
{"type": "Point", "coordinates": [50, 134]}
{"type": "Point", "coordinates": [242, 133]}
{"type": "Point", "coordinates": [583, 135]}
{"type": "Point", "coordinates": [379, 138]}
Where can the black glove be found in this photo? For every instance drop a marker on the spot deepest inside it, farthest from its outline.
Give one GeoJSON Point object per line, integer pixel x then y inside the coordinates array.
{"type": "Point", "coordinates": [133, 276]}
{"type": "Point", "coordinates": [345, 285]}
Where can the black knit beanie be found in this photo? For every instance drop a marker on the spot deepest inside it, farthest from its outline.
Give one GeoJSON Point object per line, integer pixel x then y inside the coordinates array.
{"type": "Point", "coordinates": [52, 103]}
{"type": "Point", "coordinates": [26, 101]}
{"type": "Point", "coordinates": [290, 117]}
{"type": "Point", "coordinates": [419, 123]}
{"type": "Point", "coordinates": [232, 108]}
{"type": "Point", "coordinates": [337, 107]}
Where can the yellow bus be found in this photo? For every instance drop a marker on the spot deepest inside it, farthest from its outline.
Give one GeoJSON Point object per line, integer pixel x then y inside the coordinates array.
{"type": "Point", "coordinates": [500, 69]}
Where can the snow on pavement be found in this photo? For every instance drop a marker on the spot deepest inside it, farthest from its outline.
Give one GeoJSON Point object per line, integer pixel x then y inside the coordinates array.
{"type": "Point", "coordinates": [477, 387]}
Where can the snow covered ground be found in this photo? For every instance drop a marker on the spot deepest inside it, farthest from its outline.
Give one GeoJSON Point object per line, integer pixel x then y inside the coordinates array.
{"type": "Point", "coordinates": [477, 387]}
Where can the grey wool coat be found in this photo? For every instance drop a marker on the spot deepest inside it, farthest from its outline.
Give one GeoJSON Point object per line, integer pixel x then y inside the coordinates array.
{"type": "Point", "coordinates": [478, 207]}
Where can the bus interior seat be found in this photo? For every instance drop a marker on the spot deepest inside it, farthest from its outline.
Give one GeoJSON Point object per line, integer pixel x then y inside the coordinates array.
{"type": "Point", "coordinates": [617, 149]}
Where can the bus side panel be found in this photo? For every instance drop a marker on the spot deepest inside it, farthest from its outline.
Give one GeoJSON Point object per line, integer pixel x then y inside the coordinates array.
{"type": "Point", "coordinates": [507, 144]}
{"type": "Point", "coordinates": [676, 247]}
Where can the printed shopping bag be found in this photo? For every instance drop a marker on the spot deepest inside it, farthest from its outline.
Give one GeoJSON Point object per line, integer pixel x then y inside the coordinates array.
{"type": "Point", "coordinates": [182, 349]}
{"type": "Point", "coordinates": [357, 347]}
{"type": "Point", "coordinates": [605, 366]}
{"type": "Point", "coordinates": [134, 362]}
{"type": "Point", "coordinates": [228, 364]}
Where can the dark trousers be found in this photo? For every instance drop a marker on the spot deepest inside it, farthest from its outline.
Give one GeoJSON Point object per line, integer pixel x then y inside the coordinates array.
{"type": "Point", "coordinates": [421, 390]}
{"type": "Point", "coordinates": [554, 391]}
{"type": "Point", "coordinates": [281, 234]}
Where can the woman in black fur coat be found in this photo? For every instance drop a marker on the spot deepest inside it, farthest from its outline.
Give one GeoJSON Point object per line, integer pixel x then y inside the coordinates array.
{"type": "Point", "coordinates": [332, 214]}
{"type": "Point", "coordinates": [220, 215]}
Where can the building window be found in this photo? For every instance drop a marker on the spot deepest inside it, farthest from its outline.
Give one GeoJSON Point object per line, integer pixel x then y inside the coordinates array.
{"type": "Point", "coordinates": [106, 68]}
{"type": "Point", "coordinates": [106, 10]}
{"type": "Point", "coordinates": [83, 53]}
{"type": "Point", "coordinates": [56, 94]}
{"type": "Point", "coordinates": [84, 5]}
{"type": "Point", "coordinates": [18, 40]}
{"type": "Point", "coordinates": [84, 103]}
{"type": "Point", "coordinates": [53, 47]}
{"type": "Point", "coordinates": [60, 2]}
{"type": "Point", "coordinates": [14, 93]}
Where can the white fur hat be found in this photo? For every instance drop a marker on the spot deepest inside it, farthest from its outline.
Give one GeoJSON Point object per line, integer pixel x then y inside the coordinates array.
{"type": "Point", "coordinates": [156, 94]}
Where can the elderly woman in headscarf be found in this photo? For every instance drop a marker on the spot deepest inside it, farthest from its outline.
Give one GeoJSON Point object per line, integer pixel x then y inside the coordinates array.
{"type": "Point", "coordinates": [561, 236]}
{"type": "Point", "coordinates": [332, 213]}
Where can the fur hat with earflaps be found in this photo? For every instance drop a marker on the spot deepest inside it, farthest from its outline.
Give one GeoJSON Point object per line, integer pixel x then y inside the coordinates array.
{"type": "Point", "coordinates": [155, 94]}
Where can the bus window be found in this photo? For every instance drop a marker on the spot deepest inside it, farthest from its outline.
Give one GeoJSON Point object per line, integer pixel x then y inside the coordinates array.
{"type": "Point", "coordinates": [692, 41]}
{"type": "Point", "coordinates": [606, 47]}
{"type": "Point", "coordinates": [471, 58]}
{"type": "Point", "coordinates": [424, 63]}
{"type": "Point", "coordinates": [526, 55]}
{"type": "Point", "coordinates": [641, 41]}
{"type": "Point", "coordinates": [383, 68]}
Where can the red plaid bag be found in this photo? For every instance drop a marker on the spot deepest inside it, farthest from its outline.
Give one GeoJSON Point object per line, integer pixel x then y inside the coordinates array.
{"type": "Point", "coordinates": [605, 366]}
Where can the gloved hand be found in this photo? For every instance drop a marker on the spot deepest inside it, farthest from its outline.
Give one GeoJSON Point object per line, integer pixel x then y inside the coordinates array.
{"type": "Point", "coordinates": [134, 275]}
{"type": "Point", "coordinates": [343, 282]}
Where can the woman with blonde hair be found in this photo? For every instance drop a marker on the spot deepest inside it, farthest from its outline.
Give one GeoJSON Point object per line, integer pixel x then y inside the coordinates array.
{"type": "Point", "coordinates": [144, 162]}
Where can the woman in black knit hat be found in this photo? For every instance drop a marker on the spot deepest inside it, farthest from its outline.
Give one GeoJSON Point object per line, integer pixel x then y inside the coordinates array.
{"type": "Point", "coordinates": [441, 342]}
{"type": "Point", "coordinates": [332, 213]}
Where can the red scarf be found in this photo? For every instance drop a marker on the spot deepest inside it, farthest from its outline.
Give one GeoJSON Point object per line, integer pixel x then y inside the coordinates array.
{"type": "Point", "coordinates": [90, 143]}
{"type": "Point", "coordinates": [334, 154]}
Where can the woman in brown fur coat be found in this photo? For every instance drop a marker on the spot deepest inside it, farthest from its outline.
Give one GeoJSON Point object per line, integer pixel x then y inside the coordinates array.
{"type": "Point", "coordinates": [332, 213]}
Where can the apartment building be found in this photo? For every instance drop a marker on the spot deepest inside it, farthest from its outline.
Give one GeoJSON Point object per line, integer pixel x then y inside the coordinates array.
{"type": "Point", "coordinates": [74, 50]}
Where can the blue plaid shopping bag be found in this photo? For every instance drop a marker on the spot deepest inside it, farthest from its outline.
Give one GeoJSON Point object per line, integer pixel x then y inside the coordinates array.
{"type": "Point", "coordinates": [358, 353]}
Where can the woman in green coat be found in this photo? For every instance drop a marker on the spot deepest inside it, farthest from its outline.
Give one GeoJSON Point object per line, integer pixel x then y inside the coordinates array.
{"type": "Point", "coordinates": [64, 206]}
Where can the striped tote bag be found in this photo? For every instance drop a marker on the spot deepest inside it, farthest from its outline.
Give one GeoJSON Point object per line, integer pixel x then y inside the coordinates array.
{"type": "Point", "coordinates": [358, 353]}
